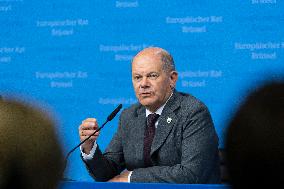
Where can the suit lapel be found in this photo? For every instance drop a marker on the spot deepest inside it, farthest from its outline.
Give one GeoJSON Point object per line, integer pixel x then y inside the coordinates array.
{"type": "Point", "coordinates": [166, 122]}
{"type": "Point", "coordinates": [165, 125]}
{"type": "Point", "coordinates": [139, 124]}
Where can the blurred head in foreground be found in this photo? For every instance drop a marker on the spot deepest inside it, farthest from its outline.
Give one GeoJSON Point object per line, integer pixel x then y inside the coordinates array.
{"type": "Point", "coordinates": [30, 153]}
{"type": "Point", "coordinates": [255, 139]}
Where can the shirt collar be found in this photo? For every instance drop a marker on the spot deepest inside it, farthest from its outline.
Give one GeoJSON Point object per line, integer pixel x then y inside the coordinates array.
{"type": "Point", "coordinates": [159, 110]}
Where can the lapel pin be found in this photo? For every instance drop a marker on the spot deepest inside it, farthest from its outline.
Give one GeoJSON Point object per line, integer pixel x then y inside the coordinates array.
{"type": "Point", "coordinates": [169, 120]}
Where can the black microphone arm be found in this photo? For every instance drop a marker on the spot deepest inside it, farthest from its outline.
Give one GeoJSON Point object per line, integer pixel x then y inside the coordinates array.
{"type": "Point", "coordinates": [109, 118]}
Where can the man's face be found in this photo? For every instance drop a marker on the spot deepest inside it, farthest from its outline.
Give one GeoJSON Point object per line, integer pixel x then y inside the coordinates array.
{"type": "Point", "coordinates": [151, 83]}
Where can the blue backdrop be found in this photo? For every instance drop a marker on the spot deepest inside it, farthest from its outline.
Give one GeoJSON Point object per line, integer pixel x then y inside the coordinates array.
{"type": "Point", "coordinates": [73, 57]}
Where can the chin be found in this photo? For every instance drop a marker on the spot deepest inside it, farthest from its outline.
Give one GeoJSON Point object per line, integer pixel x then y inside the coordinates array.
{"type": "Point", "coordinates": [146, 102]}
{"type": "Point", "coordinates": [149, 104]}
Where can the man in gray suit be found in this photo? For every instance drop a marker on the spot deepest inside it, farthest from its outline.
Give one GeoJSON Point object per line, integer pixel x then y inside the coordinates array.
{"type": "Point", "coordinates": [185, 144]}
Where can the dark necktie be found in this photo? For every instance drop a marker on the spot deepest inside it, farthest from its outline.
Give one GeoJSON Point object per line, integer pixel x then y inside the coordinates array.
{"type": "Point", "coordinates": [148, 137]}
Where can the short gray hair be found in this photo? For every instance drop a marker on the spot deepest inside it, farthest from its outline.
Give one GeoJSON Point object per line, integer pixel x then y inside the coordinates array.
{"type": "Point", "coordinates": [167, 59]}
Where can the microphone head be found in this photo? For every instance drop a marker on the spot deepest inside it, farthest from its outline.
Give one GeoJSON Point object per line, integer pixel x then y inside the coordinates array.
{"type": "Point", "coordinates": [113, 114]}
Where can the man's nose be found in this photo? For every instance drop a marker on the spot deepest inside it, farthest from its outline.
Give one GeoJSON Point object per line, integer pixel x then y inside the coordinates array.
{"type": "Point", "coordinates": [144, 82]}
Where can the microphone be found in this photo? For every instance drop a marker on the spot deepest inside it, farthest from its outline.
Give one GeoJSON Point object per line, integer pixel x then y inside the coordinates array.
{"type": "Point", "coordinates": [115, 111]}
{"type": "Point", "coordinates": [109, 118]}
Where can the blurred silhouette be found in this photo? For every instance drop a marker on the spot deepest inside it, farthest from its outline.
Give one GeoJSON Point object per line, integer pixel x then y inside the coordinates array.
{"type": "Point", "coordinates": [31, 156]}
{"type": "Point", "coordinates": [255, 139]}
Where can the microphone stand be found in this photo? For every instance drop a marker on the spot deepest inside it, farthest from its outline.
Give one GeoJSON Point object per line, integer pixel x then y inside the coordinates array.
{"type": "Point", "coordinates": [109, 118]}
{"type": "Point", "coordinates": [69, 153]}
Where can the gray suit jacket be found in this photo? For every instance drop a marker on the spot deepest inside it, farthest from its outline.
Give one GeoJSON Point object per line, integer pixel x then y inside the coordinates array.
{"type": "Point", "coordinates": [184, 150]}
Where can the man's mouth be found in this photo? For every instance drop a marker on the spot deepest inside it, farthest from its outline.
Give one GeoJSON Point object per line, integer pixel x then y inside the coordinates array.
{"type": "Point", "coordinates": [145, 94]}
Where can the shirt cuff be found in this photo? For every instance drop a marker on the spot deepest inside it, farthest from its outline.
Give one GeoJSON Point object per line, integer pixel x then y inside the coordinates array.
{"type": "Point", "coordinates": [91, 154]}
{"type": "Point", "coordinates": [129, 175]}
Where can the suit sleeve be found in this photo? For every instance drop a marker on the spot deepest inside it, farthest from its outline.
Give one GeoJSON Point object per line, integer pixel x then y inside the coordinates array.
{"type": "Point", "coordinates": [198, 157]}
{"type": "Point", "coordinates": [103, 167]}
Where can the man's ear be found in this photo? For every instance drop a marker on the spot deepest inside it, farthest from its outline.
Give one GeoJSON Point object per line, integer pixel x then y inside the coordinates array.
{"type": "Point", "coordinates": [173, 78]}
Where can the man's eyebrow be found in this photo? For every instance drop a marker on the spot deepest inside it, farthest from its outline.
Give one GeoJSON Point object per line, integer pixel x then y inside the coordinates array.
{"type": "Point", "coordinates": [136, 74]}
{"type": "Point", "coordinates": [153, 72]}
